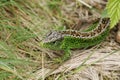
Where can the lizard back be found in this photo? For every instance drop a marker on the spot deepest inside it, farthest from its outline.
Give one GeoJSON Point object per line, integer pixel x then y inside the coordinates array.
{"type": "Point", "coordinates": [57, 35]}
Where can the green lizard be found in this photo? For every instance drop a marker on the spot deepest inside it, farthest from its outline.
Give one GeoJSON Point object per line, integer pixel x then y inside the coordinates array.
{"type": "Point", "coordinates": [70, 39]}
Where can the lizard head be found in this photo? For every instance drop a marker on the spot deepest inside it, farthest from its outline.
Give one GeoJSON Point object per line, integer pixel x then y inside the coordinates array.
{"type": "Point", "coordinates": [52, 40]}
{"type": "Point", "coordinates": [52, 36]}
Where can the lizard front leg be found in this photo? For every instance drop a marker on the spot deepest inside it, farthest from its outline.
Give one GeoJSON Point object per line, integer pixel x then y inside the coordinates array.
{"type": "Point", "coordinates": [67, 53]}
{"type": "Point", "coordinates": [64, 57]}
{"type": "Point", "coordinates": [65, 47]}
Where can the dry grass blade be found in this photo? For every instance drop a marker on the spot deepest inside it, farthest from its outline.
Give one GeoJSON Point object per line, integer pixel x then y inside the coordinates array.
{"type": "Point", "coordinates": [23, 24]}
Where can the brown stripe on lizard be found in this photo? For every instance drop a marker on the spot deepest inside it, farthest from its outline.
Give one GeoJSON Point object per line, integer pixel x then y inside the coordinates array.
{"type": "Point", "coordinates": [98, 30]}
{"type": "Point", "coordinates": [57, 35]}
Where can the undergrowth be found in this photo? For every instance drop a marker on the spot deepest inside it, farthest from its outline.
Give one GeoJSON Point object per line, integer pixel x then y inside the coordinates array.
{"type": "Point", "coordinates": [22, 26]}
{"type": "Point", "coordinates": [113, 10]}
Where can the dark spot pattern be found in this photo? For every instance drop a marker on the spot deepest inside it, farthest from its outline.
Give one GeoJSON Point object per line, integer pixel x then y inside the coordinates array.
{"type": "Point", "coordinates": [58, 35]}
{"type": "Point", "coordinates": [103, 24]}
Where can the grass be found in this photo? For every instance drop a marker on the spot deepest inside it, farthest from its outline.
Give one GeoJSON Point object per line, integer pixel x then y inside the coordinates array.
{"type": "Point", "coordinates": [17, 41]}
{"type": "Point", "coordinates": [23, 25]}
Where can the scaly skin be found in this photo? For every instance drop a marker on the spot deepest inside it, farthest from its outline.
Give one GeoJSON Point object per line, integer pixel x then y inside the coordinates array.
{"type": "Point", "coordinates": [70, 39]}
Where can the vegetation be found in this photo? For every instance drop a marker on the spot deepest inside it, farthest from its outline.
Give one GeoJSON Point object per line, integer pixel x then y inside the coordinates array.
{"type": "Point", "coordinates": [23, 25]}
{"type": "Point", "coordinates": [113, 9]}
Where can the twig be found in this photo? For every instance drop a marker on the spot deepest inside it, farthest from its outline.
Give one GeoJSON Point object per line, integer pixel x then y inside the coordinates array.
{"type": "Point", "coordinates": [85, 4]}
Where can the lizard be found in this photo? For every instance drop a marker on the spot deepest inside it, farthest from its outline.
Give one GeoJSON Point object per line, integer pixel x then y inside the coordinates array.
{"type": "Point", "coordinates": [69, 39]}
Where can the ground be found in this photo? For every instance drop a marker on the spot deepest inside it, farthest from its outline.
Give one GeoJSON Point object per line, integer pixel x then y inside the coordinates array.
{"type": "Point", "coordinates": [23, 24]}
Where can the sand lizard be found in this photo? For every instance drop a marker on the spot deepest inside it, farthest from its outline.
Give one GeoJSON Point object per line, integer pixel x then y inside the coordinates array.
{"type": "Point", "coordinates": [70, 39]}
